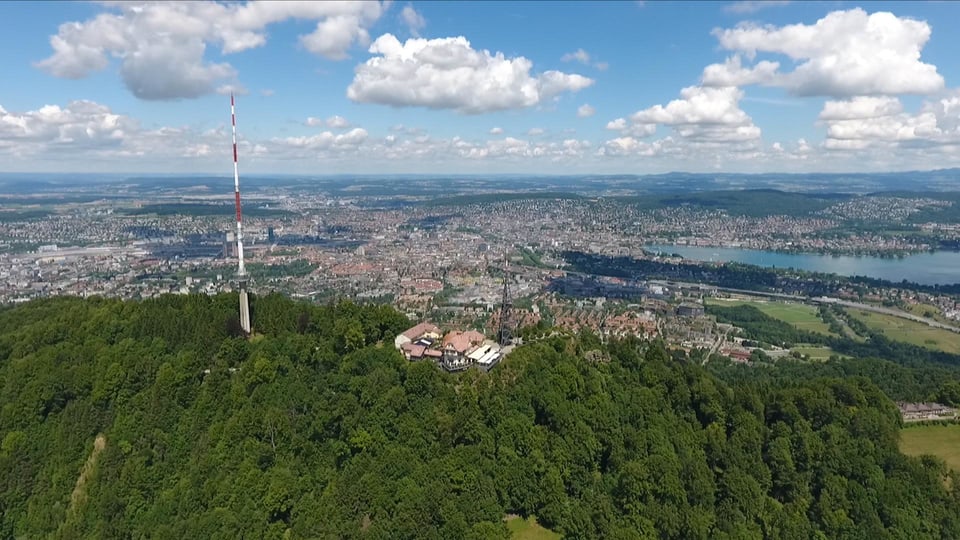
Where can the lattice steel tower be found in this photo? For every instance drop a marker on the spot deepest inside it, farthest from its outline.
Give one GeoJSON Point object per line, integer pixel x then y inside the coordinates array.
{"type": "Point", "coordinates": [505, 333]}
{"type": "Point", "coordinates": [241, 271]}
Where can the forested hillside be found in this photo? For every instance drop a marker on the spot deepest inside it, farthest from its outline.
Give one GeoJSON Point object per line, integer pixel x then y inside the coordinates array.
{"type": "Point", "coordinates": [153, 420]}
{"type": "Point", "coordinates": [904, 372]}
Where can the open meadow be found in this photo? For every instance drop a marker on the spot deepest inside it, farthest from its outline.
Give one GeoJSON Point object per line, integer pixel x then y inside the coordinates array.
{"type": "Point", "coordinates": [942, 441]}
{"type": "Point", "coordinates": [929, 311]}
{"type": "Point", "coordinates": [908, 331]}
{"type": "Point", "coordinates": [529, 529]}
{"type": "Point", "coordinates": [802, 316]}
{"type": "Point", "coordinates": [816, 353]}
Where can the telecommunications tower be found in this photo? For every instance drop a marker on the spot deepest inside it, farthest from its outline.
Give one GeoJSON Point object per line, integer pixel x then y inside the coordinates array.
{"type": "Point", "coordinates": [241, 271]}
{"type": "Point", "coordinates": [505, 333]}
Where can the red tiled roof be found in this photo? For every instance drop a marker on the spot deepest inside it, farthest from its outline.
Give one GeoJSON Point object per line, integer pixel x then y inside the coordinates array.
{"type": "Point", "coordinates": [421, 329]}
{"type": "Point", "coordinates": [461, 341]}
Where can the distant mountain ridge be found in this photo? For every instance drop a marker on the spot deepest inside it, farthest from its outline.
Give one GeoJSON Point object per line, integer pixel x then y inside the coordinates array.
{"type": "Point", "coordinates": [361, 185]}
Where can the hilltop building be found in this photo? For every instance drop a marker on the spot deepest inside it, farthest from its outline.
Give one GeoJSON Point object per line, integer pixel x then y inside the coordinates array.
{"type": "Point", "coordinates": [924, 411]}
{"type": "Point", "coordinates": [423, 334]}
{"type": "Point", "coordinates": [456, 346]}
{"type": "Point", "coordinates": [457, 351]}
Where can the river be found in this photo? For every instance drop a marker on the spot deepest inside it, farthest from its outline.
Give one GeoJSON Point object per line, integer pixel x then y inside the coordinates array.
{"type": "Point", "coordinates": [937, 268]}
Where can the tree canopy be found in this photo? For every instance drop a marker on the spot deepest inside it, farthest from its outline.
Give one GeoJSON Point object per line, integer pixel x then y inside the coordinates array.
{"type": "Point", "coordinates": [317, 428]}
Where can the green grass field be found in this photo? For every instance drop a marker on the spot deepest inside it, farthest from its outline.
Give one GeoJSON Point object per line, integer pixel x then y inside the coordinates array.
{"type": "Point", "coordinates": [815, 353]}
{"type": "Point", "coordinates": [529, 529]}
{"type": "Point", "coordinates": [940, 441]}
{"type": "Point", "coordinates": [848, 332]}
{"type": "Point", "coordinates": [928, 311]}
{"type": "Point", "coordinates": [909, 331]}
{"type": "Point", "coordinates": [802, 316]}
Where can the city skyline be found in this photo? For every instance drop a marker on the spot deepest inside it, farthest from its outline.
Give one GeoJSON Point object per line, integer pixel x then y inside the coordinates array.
{"type": "Point", "coordinates": [436, 88]}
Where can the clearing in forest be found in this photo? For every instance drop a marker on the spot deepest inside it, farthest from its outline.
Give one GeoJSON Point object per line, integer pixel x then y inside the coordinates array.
{"type": "Point", "coordinates": [78, 497]}
{"type": "Point", "coordinates": [529, 529]}
{"type": "Point", "coordinates": [908, 331]}
{"type": "Point", "coordinates": [801, 316]}
{"type": "Point", "coordinates": [942, 441]}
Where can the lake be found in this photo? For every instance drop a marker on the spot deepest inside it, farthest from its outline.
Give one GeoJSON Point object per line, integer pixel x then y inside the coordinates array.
{"type": "Point", "coordinates": [936, 268]}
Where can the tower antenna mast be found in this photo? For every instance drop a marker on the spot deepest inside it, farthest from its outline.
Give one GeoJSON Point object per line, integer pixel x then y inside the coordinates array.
{"type": "Point", "coordinates": [505, 334]}
{"type": "Point", "coordinates": [241, 271]}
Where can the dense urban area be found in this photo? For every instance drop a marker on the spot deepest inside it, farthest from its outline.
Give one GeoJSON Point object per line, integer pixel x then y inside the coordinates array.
{"type": "Point", "coordinates": [557, 261]}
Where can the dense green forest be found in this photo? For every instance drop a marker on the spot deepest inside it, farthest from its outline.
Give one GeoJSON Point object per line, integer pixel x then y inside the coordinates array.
{"type": "Point", "coordinates": [763, 328]}
{"type": "Point", "coordinates": [904, 372]}
{"type": "Point", "coordinates": [758, 326]}
{"type": "Point", "coordinates": [746, 202]}
{"type": "Point", "coordinates": [154, 419]}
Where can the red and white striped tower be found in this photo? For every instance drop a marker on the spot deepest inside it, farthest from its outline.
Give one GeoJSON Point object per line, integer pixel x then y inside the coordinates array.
{"type": "Point", "coordinates": [241, 271]}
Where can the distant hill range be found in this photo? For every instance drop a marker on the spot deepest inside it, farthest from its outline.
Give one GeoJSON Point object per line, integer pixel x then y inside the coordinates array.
{"type": "Point", "coordinates": [418, 185]}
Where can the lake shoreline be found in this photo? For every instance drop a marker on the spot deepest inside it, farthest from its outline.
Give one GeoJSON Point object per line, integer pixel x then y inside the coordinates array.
{"type": "Point", "coordinates": [941, 267]}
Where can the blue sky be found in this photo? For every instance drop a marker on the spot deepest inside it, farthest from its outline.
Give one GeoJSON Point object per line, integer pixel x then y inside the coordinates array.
{"type": "Point", "coordinates": [474, 87]}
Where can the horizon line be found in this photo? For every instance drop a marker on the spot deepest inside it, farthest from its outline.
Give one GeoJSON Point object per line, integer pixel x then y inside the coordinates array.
{"type": "Point", "coordinates": [472, 175]}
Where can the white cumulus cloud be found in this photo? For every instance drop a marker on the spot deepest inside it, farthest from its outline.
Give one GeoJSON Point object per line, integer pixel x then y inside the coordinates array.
{"type": "Point", "coordinates": [447, 73]}
{"type": "Point", "coordinates": [325, 140]}
{"type": "Point", "coordinates": [947, 110]}
{"type": "Point", "coordinates": [414, 20]}
{"type": "Point", "coordinates": [617, 125]}
{"type": "Point", "coordinates": [99, 135]}
{"type": "Point", "coordinates": [866, 121]}
{"type": "Point", "coordinates": [337, 122]}
{"type": "Point", "coordinates": [511, 149]}
{"type": "Point", "coordinates": [703, 112]}
{"type": "Point", "coordinates": [732, 73]}
{"type": "Point", "coordinates": [706, 122]}
{"type": "Point", "coordinates": [171, 69]}
{"type": "Point", "coordinates": [632, 129]}
{"type": "Point", "coordinates": [846, 53]}
{"type": "Point", "coordinates": [631, 146]}
{"type": "Point", "coordinates": [232, 89]}
{"type": "Point", "coordinates": [333, 122]}
{"type": "Point", "coordinates": [583, 57]}
{"type": "Point", "coordinates": [585, 111]}
{"type": "Point", "coordinates": [162, 45]}
{"type": "Point", "coordinates": [80, 126]}
{"type": "Point", "coordinates": [578, 55]}
{"type": "Point", "coordinates": [698, 105]}
{"type": "Point", "coordinates": [752, 6]}
{"type": "Point", "coordinates": [860, 107]}
{"type": "Point", "coordinates": [496, 131]}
